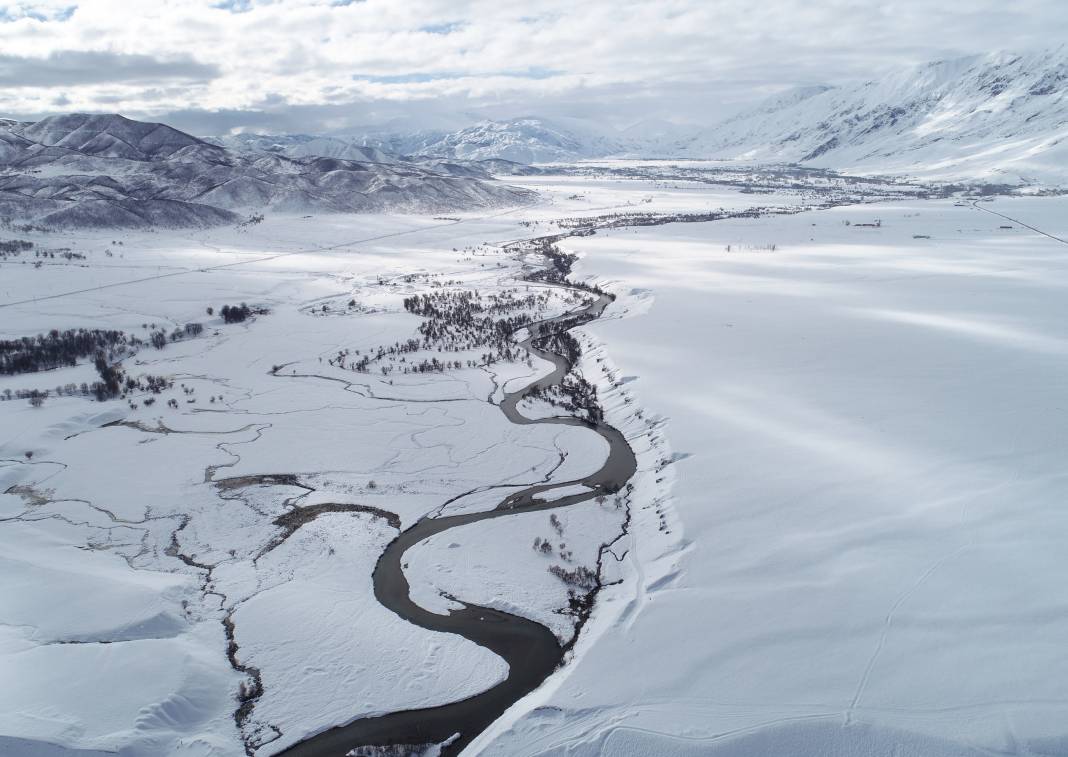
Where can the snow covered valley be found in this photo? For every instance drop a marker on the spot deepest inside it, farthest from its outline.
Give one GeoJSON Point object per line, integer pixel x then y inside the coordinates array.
{"type": "Point", "coordinates": [840, 530]}
{"type": "Point", "coordinates": [870, 435]}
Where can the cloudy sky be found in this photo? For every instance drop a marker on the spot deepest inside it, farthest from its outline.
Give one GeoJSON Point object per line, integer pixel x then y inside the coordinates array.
{"type": "Point", "coordinates": [211, 66]}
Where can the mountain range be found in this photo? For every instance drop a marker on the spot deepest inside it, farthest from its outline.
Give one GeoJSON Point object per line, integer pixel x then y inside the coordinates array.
{"type": "Point", "coordinates": [999, 118]}
{"type": "Point", "coordinates": [996, 118]}
{"type": "Point", "coordinates": [112, 172]}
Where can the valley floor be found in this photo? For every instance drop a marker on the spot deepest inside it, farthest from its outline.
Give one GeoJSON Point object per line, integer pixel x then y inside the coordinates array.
{"type": "Point", "coordinates": [845, 534]}
{"type": "Point", "coordinates": [869, 431]}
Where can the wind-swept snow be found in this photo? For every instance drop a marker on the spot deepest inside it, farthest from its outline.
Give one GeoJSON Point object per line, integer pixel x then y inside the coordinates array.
{"type": "Point", "coordinates": [144, 552]}
{"type": "Point", "coordinates": [844, 534]}
{"type": "Point", "coordinates": [869, 436]}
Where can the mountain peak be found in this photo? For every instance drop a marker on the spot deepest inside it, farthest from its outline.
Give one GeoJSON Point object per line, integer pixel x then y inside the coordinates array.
{"type": "Point", "coordinates": [109, 135]}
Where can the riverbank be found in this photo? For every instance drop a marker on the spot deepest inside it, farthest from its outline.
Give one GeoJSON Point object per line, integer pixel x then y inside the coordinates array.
{"type": "Point", "coordinates": [870, 481]}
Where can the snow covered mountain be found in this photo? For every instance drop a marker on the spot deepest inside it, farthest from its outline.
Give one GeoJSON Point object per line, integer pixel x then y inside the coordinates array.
{"type": "Point", "coordinates": [304, 146]}
{"type": "Point", "coordinates": [110, 171]}
{"type": "Point", "coordinates": [108, 136]}
{"type": "Point", "coordinates": [367, 150]}
{"type": "Point", "coordinates": [996, 118]}
{"type": "Point", "coordinates": [1000, 118]}
{"type": "Point", "coordinates": [516, 141]}
{"type": "Point", "coordinates": [522, 140]}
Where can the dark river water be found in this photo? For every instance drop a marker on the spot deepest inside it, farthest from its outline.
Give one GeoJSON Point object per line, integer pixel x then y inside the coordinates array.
{"type": "Point", "coordinates": [531, 650]}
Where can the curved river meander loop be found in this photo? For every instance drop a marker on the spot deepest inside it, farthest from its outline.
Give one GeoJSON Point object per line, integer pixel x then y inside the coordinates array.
{"type": "Point", "coordinates": [530, 649]}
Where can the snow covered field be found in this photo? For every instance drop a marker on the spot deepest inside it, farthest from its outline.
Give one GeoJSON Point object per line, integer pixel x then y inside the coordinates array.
{"type": "Point", "coordinates": [98, 519]}
{"type": "Point", "coordinates": [872, 494]}
{"type": "Point", "coordinates": [844, 536]}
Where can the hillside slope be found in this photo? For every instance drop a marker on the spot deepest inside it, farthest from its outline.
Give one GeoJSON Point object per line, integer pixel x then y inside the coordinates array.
{"type": "Point", "coordinates": [999, 118]}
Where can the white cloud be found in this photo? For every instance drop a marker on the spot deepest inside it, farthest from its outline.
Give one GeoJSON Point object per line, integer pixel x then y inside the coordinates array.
{"type": "Point", "coordinates": [618, 59]}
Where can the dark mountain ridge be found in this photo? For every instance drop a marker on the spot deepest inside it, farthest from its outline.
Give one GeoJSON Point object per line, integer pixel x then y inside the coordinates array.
{"type": "Point", "coordinates": [108, 171]}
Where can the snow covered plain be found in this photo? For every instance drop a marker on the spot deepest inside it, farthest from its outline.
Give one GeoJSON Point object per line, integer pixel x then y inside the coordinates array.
{"type": "Point", "coordinates": [869, 435]}
{"type": "Point", "coordinates": [843, 537]}
{"type": "Point", "coordinates": [109, 531]}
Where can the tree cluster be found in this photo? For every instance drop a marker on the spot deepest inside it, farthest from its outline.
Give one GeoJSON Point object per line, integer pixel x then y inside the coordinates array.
{"type": "Point", "coordinates": [113, 382]}
{"type": "Point", "coordinates": [581, 577]}
{"type": "Point", "coordinates": [235, 313]}
{"type": "Point", "coordinates": [456, 321]}
{"type": "Point", "coordinates": [575, 395]}
{"type": "Point", "coordinates": [56, 349]}
{"type": "Point", "coordinates": [560, 262]}
{"type": "Point", "coordinates": [14, 247]}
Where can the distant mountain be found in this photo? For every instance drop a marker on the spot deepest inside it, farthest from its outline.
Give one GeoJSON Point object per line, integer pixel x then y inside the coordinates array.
{"type": "Point", "coordinates": [533, 140]}
{"type": "Point", "coordinates": [522, 140]}
{"type": "Point", "coordinates": [110, 171]}
{"type": "Point", "coordinates": [997, 118]}
{"type": "Point", "coordinates": [652, 137]}
{"type": "Point", "coordinates": [304, 146]}
{"type": "Point", "coordinates": [483, 168]}
{"type": "Point", "coordinates": [513, 143]}
{"type": "Point", "coordinates": [1000, 118]}
{"type": "Point", "coordinates": [111, 137]}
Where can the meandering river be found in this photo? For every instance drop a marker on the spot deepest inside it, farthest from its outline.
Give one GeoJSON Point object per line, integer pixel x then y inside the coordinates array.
{"type": "Point", "coordinates": [530, 649]}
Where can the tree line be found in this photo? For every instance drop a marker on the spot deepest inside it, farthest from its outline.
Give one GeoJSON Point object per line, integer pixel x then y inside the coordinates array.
{"type": "Point", "coordinates": [56, 349]}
